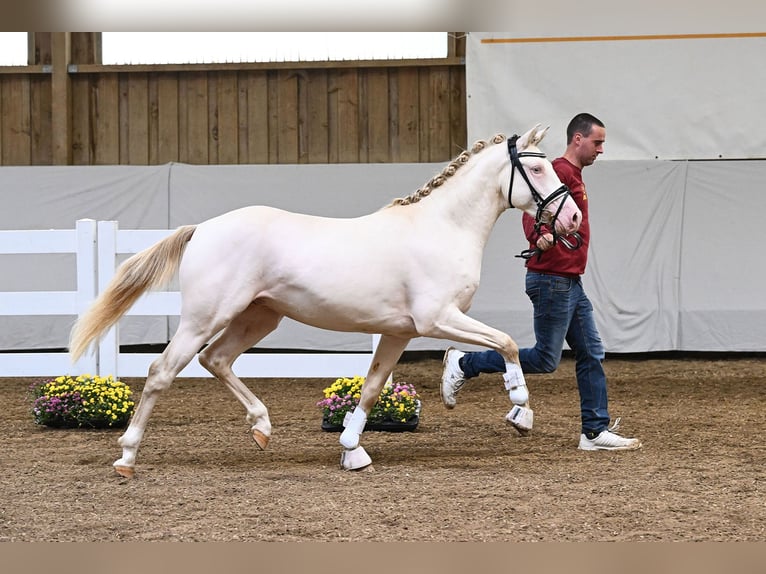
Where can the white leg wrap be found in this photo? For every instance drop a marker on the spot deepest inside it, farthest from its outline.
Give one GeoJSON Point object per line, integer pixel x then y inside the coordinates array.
{"type": "Point", "coordinates": [522, 418]}
{"type": "Point", "coordinates": [515, 384]}
{"type": "Point", "coordinates": [355, 459]}
{"type": "Point", "coordinates": [354, 424]}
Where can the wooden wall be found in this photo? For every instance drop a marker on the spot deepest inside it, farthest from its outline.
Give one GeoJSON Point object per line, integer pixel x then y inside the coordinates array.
{"type": "Point", "coordinates": [310, 112]}
{"type": "Point", "coordinates": [25, 119]}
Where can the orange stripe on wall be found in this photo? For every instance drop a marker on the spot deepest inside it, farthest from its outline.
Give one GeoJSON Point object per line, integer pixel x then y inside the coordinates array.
{"type": "Point", "coordinates": [622, 38]}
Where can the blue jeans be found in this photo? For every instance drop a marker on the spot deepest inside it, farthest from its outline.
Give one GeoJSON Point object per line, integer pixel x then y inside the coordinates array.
{"type": "Point", "coordinates": [562, 312]}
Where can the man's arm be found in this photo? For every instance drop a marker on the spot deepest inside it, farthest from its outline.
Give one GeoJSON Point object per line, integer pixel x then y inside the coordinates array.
{"type": "Point", "coordinates": [543, 239]}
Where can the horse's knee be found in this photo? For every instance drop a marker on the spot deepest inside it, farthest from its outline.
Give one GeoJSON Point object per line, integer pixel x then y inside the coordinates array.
{"type": "Point", "coordinates": [511, 350]}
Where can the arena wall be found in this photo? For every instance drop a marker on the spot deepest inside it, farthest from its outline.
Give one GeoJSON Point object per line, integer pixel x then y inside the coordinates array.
{"type": "Point", "coordinates": [673, 264]}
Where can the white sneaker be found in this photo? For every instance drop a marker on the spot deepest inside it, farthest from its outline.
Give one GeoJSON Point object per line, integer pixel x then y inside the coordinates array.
{"type": "Point", "coordinates": [452, 377]}
{"type": "Point", "coordinates": [608, 440]}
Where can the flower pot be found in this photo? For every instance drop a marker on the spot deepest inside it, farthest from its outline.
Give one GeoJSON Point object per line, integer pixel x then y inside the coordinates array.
{"type": "Point", "coordinates": [386, 426]}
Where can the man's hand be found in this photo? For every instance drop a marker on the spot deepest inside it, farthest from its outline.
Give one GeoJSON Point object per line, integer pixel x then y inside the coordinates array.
{"type": "Point", "coordinates": [545, 242]}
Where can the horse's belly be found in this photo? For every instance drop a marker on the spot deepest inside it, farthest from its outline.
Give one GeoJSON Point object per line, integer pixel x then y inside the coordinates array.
{"type": "Point", "coordinates": [360, 315]}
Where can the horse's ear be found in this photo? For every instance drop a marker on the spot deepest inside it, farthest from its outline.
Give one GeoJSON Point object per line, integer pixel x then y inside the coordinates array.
{"type": "Point", "coordinates": [539, 135]}
{"type": "Point", "coordinates": [532, 137]}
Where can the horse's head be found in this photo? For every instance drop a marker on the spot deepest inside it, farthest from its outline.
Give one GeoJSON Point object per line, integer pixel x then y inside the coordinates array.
{"type": "Point", "coordinates": [539, 191]}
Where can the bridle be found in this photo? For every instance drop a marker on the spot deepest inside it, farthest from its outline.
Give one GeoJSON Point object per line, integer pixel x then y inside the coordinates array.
{"type": "Point", "coordinates": [542, 202]}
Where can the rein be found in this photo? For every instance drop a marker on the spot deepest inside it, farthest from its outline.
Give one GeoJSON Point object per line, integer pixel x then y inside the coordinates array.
{"type": "Point", "coordinates": [542, 202]}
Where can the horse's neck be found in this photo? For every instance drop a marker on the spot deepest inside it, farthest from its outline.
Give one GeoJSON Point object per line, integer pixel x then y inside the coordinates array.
{"type": "Point", "coordinates": [471, 198]}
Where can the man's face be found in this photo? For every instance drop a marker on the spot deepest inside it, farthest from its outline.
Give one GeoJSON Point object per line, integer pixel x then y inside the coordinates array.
{"type": "Point", "coordinates": [589, 148]}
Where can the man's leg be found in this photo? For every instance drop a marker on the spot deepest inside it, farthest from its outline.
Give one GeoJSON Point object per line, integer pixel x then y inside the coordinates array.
{"type": "Point", "coordinates": [481, 362]}
{"type": "Point", "coordinates": [551, 300]}
{"type": "Point", "coordinates": [584, 339]}
{"type": "Point", "coordinates": [549, 295]}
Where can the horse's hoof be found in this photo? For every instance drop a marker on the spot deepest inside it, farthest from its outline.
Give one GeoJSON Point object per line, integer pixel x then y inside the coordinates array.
{"type": "Point", "coordinates": [521, 418]}
{"type": "Point", "coordinates": [125, 471]}
{"type": "Point", "coordinates": [260, 439]}
{"type": "Point", "coordinates": [355, 459]}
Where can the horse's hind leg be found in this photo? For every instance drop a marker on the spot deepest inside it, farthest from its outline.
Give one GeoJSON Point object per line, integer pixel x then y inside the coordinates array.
{"type": "Point", "coordinates": [162, 373]}
{"type": "Point", "coordinates": [244, 331]}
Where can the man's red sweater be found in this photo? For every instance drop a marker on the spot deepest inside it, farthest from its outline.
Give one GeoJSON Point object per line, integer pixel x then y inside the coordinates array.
{"type": "Point", "coordinates": [558, 260]}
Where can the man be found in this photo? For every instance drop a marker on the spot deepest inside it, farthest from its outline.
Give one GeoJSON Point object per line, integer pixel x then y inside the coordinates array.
{"type": "Point", "coordinates": [562, 310]}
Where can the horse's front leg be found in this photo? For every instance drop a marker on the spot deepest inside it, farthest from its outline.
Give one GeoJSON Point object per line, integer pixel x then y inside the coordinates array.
{"type": "Point", "coordinates": [521, 417]}
{"type": "Point", "coordinates": [457, 326]}
{"type": "Point", "coordinates": [386, 356]}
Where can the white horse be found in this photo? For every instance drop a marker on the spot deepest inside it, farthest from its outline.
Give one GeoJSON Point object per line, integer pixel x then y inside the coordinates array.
{"type": "Point", "coordinates": [407, 270]}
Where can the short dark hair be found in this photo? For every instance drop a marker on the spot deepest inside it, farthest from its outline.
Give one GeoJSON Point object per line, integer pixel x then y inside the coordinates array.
{"type": "Point", "coordinates": [582, 123]}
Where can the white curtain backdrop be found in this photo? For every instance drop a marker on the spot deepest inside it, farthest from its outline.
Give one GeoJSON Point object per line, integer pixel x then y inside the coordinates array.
{"type": "Point", "coordinates": [674, 98]}
{"type": "Point", "coordinates": [676, 259]}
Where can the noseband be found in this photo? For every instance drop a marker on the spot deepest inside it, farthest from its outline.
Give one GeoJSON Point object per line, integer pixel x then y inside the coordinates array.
{"type": "Point", "coordinates": [542, 202]}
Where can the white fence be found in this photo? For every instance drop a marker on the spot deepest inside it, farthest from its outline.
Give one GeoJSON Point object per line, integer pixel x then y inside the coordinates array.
{"type": "Point", "coordinates": [97, 245]}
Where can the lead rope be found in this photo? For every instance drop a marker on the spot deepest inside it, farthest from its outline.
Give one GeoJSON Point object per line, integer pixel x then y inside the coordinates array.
{"type": "Point", "coordinates": [528, 254]}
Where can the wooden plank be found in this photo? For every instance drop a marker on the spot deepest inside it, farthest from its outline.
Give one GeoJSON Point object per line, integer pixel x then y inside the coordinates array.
{"type": "Point", "coordinates": [314, 102]}
{"type": "Point", "coordinates": [197, 118]}
{"type": "Point", "coordinates": [408, 109]}
{"type": "Point", "coordinates": [81, 121]}
{"type": "Point", "coordinates": [183, 118]}
{"type": "Point", "coordinates": [287, 102]}
{"type": "Point", "coordinates": [138, 119]}
{"type": "Point", "coordinates": [3, 83]}
{"type": "Point", "coordinates": [228, 118]}
{"type": "Point", "coordinates": [106, 119]}
{"type": "Point", "coordinates": [268, 66]}
{"type": "Point", "coordinates": [272, 106]}
{"type": "Point", "coordinates": [302, 114]}
{"type": "Point", "coordinates": [258, 117]}
{"type": "Point", "coordinates": [439, 136]}
{"type": "Point", "coordinates": [424, 115]}
{"type": "Point", "coordinates": [167, 118]}
{"type": "Point", "coordinates": [86, 47]}
{"type": "Point", "coordinates": [15, 129]}
{"type": "Point", "coordinates": [5, 122]}
{"type": "Point", "coordinates": [122, 115]}
{"type": "Point", "coordinates": [393, 115]}
{"type": "Point", "coordinates": [61, 99]}
{"type": "Point", "coordinates": [42, 45]}
{"type": "Point", "coordinates": [40, 121]}
{"type": "Point", "coordinates": [153, 128]}
{"type": "Point", "coordinates": [332, 117]}
{"type": "Point", "coordinates": [363, 115]}
{"type": "Point", "coordinates": [378, 123]}
{"type": "Point", "coordinates": [457, 112]}
{"type": "Point", "coordinates": [212, 118]}
{"type": "Point", "coordinates": [24, 136]}
{"type": "Point", "coordinates": [241, 118]}
{"type": "Point", "coordinates": [348, 116]}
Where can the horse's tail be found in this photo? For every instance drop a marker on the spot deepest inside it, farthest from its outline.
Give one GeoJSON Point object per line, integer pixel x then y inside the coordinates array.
{"type": "Point", "coordinates": [152, 267]}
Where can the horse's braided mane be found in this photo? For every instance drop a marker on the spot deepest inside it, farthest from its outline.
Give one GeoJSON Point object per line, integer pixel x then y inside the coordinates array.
{"type": "Point", "coordinates": [447, 172]}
